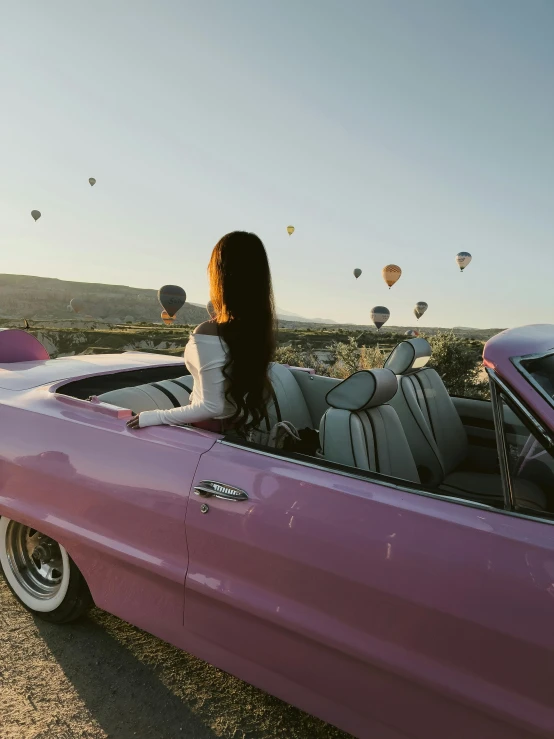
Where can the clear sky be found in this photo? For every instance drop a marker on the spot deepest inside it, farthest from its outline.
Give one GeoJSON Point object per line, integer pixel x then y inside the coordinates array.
{"type": "Point", "coordinates": [385, 131]}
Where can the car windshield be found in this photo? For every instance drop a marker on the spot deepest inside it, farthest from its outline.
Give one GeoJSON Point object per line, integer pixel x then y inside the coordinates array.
{"type": "Point", "coordinates": [540, 370]}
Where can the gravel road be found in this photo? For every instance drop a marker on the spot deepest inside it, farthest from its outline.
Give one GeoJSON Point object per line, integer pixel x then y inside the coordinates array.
{"type": "Point", "coordinates": [101, 677]}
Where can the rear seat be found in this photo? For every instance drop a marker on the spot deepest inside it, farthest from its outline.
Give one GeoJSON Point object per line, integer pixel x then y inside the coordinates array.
{"type": "Point", "coordinates": [163, 395]}
{"type": "Point", "coordinates": [288, 403]}
{"type": "Point", "coordinates": [436, 435]}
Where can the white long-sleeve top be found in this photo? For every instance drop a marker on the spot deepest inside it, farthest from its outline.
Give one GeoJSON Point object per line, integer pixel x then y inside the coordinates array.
{"type": "Point", "coordinates": [205, 357]}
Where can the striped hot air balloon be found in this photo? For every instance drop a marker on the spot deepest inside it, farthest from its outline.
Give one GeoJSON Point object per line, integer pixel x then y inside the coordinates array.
{"type": "Point", "coordinates": [380, 315]}
{"type": "Point", "coordinates": [463, 258]}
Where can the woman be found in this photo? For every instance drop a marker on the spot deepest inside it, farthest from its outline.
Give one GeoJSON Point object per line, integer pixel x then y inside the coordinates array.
{"type": "Point", "coordinates": [229, 355]}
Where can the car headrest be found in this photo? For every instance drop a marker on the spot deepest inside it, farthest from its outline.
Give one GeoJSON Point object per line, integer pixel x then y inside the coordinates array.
{"type": "Point", "coordinates": [409, 356]}
{"type": "Point", "coordinates": [364, 389]}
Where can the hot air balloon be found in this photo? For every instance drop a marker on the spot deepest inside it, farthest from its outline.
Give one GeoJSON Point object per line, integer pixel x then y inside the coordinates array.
{"type": "Point", "coordinates": [171, 298]}
{"type": "Point", "coordinates": [167, 319]}
{"type": "Point", "coordinates": [391, 274]}
{"type": "Point", "coordinates": [36, 214]}
{"type": "Point", "coordinates": [412, 334]}
{"type": "Point", "coordinates": [357, 273]}
{"type": "Point", "coordinates": [76, 305]}
{"type": "Point", "coordinates": [463, 258]}
{"type": "Point", "coordinates": [380, 315]}
{"type": "Point", "coordinates": [420, 309]}
{"type": "Point", "coordinates": [91, 181]}
{"type": "Point", "coordinates": [210, 309]}
{"type": "Point", "coordinates": [290, 230]}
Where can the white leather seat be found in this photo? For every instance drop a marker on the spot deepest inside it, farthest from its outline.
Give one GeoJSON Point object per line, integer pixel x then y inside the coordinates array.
{"type": "Point", "coordinates": [165, 395]}
{"type": "Point", "coordinates": [436, 434]}
{"type": "Point", "coordinates": [360, 430]}
{"type": "Point", "coordinates": [288, 403]}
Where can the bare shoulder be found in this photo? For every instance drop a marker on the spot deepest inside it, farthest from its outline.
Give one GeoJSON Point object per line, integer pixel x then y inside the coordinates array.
{"type": "Point", "coordinates": [208, 328]}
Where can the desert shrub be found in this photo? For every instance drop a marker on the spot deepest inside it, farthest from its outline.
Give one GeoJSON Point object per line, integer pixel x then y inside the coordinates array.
{"type": "Point", "coordinates": [348, 357]}
{"type": "Point", "coordinates": [345, 358]}
{"type": "Point", "coordinates": [299, 357]}
{"type": "Point", "coordinates": [371, 357]}
{"type": "Point", "coordinates": [459, 365]}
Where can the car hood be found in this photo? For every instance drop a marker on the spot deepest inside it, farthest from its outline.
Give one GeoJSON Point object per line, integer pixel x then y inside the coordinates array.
{"type": "Point", "coordinates": [26, 375]}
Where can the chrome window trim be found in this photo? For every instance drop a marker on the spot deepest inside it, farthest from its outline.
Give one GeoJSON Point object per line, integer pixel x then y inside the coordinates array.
{"type": "Point", "coordinates": [536, 425]}
{"type": "Point", "coordinates": [375, 478]}
{"type": "Point", "coordinates": [501, 446]}
{"type": "Point", "coordinates": [517, 362]}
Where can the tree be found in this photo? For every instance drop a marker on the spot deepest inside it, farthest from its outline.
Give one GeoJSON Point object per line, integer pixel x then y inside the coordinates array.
{"type": "Point", "coordinates": [459, 365]}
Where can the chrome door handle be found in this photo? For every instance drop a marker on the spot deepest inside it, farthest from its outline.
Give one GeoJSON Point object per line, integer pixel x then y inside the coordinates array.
{"type": "Point", "coordinates": [208, 488]}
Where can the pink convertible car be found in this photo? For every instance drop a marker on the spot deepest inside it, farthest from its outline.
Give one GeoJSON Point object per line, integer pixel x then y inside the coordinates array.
{"type": "Point", "coordinates": [398, 583]}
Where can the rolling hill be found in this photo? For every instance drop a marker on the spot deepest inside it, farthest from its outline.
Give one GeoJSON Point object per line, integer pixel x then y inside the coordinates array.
{"type": "Point", "coordinates": [46, 298]}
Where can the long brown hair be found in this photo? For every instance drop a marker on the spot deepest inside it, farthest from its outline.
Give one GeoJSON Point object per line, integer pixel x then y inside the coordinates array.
{"type": "Point", "coordinates": [242, 297]}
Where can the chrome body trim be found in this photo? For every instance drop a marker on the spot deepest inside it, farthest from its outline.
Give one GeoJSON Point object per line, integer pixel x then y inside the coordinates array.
{"type": "Point", "coordinates": [507, 488]}
{"type": "Point", "coordinates": [209, 488]}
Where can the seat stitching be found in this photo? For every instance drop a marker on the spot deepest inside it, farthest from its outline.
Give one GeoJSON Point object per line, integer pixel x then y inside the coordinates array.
{"type": "Point", "coordinates": [377, 465]}
{"type": "Point", "coordinates": [418, 379]}
{"type": "Point", "coordinates": [168, 394]}
{"type": "Point", "coordinates": [366, 443]}
{"type": "Point", "coordinates": [182, 385]}
{"type": "Point", "coordinates": [352, 440]}
{"type": "Point", "coordinates": [387, 447]}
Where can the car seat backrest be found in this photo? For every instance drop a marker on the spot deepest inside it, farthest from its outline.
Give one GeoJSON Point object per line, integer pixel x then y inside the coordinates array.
{"type": "Point", "coordinates": [433, 426]}
{"type": "Point", "coordinates": [361, 430]}
{"type": "Point", "coordinates": [287, 404]}
{"type": "Point", "coordinates": [314, 389]}
{"type": "Point", "coordinates": [288, 400]}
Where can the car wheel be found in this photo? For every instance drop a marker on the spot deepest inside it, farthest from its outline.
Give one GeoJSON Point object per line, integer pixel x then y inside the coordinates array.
{"type": "Point", "coordinates": [41, 574]}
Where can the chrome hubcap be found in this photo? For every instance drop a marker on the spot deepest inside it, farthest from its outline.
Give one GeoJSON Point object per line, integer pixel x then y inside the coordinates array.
{"type": "Point", "coordinates": [35, 560]}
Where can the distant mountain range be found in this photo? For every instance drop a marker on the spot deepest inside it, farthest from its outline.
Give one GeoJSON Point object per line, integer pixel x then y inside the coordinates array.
{"type": "Point", "coordinates": [285, 315]}
{"type": "Point", "coordinates": [46, 298]}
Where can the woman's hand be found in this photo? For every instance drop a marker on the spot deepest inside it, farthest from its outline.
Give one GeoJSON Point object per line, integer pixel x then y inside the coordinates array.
{"type": "Point", "coordinates": [134, 423]}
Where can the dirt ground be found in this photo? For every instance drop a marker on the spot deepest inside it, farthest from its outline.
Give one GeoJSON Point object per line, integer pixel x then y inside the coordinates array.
{"type": "Point", "coordinates": [101, 677]}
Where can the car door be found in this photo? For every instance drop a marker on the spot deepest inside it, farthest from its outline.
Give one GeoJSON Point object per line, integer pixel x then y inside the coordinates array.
{"type": "Point", "coordinates": [388, 612]}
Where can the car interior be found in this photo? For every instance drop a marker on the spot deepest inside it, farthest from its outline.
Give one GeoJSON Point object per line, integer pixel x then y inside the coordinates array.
{"type": "Point", "coordinates": [398, 421]}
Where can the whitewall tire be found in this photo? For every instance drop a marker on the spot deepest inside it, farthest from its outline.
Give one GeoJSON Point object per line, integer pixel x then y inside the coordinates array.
{"type": "Point", "coordinates": [40, 573]}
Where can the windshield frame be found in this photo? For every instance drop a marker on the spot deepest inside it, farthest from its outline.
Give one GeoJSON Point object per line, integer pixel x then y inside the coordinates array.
{"type": "Point", "coordinates": [518, 364]}
{"type": "Point", "coordinates": [500, 391]}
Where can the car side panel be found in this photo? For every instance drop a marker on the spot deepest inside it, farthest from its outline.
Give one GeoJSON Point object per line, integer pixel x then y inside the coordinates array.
{"type": "Point", "coordinates": [115, 499]}
{"type": "Point", "coordinates": [401, 614]}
